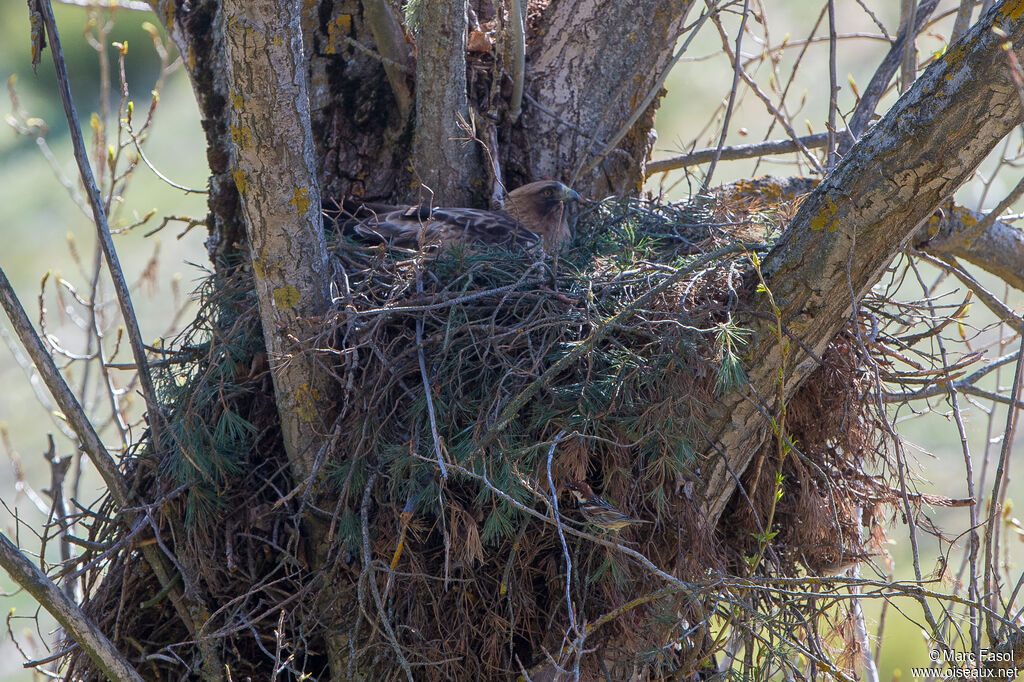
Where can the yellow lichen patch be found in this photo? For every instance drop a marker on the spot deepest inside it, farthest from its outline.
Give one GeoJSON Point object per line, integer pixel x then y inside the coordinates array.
{"type": "Point", "coordinates": [286, 297]}
{"type": "Point", "coordinates": [259, 265]}
{"type": "Point", "coordinates": [306, 399]}
{"type": "Point", "coordinates": [241, 136]}
{"type": "Point", "coordinates": [953, 57]}
{"type": "Point", "coordinates": [300, 200]}
{"type": "Point", "coordinates": [933, 225]}
{"type": "Point", "coordinates": [241, 180]}
{"type": "Point", "coordinates": [336, 30]}
{"type": "Point", "coordinates": [826, 217]}
{"type": "Point", "coordinates": [966, 218]}
{"type": "Point", "coordinates": [1012, 10]}
{"type": "Point", "coordinates": [236, 100]}
{"type": "Point", "coordinates": [277, 41]}
{"type": "Point", "coordinates": [168, 9]}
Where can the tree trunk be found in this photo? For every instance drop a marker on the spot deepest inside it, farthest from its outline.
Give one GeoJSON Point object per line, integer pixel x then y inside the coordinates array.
{"type": "Point", "coordinates": [578, 53]}
{"type": "Point", "coordinates": [296, 97]}
{"type": "Point", "coordinates": [594, 74]}
{"type": "Point", "coordinates": [275, 174]}
{"type": "Point", "coordinates": [446, 160]}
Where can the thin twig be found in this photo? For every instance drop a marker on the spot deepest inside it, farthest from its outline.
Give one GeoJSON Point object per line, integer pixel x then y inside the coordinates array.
{"type": "Point", "coordinates": [427, 391]}
{"type": "Point", "coordinates": [518, 46]}
{"type": "Point", "coordinates": [149, 164]}
{"type": "Point", "coordinates": [879, 82]}
{"type": "Point", "coordinates": [100, 217]}
{"type": "Point", "coordinates": [998, 308]}
{"type": "Point", "coordinates": [908, 65]}
{"type": "Point", "coordinates": [833, 88]}
{"type": "Point", "coordinates": [998, 482]}
{"type": "Point", "coordinates": [733, 91]}
{"type": "Point", "coordinates": [364, 514]}
{"type": "Point", "coordinates": [66, 612]}
{"type": "Point", "coordinates": [561, 536]}
{"type": "Point", "coordinates": [765, 99]}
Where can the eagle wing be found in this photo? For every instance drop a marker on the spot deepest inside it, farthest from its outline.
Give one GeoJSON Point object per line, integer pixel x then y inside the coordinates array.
{"type": "Point", "coordinates": [416, 226]}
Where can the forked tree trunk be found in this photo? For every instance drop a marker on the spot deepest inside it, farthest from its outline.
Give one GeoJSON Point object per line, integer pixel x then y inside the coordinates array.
{"type": "Point", "coordinates": [354, 79]}
{"type": "Point", "coordinates": [592, 75]}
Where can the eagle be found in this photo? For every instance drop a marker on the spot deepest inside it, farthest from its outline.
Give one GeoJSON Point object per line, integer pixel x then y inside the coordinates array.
{"type": "Point", "coordinates": [533, 214]}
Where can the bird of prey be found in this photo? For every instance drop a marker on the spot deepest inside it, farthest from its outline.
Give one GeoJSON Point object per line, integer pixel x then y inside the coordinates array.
{"type": "Point", "coordinates": [597, 511]}
{"type": "Point", "coordinates": [534, 213]}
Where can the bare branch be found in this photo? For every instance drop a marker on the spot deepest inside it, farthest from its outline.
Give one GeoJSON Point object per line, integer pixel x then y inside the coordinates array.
{"type": "Point", "coordinates": [737, 152]}
{"type": "Point", "coordinates": [865, 109]}
{"type": "Point", "coordinates": [518, 46]}
{"type": "Point", "coordinates": [958, 232]}
{"type": "Point", "coordinates": [100, 217]}
{"type": "Point", "coordinates": [390, 39]}
{"type": "Point", "coordinates": [963, 20]}
{"type": "Point", "coordinates": [761, 95]}
{"type": "Point", "coordinates": [908, 62]}
{"type": "Point", "coordinates": [737, 68]}
{"type": "Point", "coordinates": [66, 612]}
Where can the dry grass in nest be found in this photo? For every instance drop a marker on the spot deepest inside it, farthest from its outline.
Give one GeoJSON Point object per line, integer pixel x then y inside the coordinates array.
{"type": "Point", "coordinates": [505, 367]}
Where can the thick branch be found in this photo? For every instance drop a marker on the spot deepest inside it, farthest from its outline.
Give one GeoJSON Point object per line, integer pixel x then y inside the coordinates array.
{"type": "Point", "coordinates": [859, 217]}
{"type": "Point", "coordinates": [445, 160]}
{"type": "Point", "coordinates": [587, 50]}
{"type": "Point", "coordinates": [390, 39]}
{"type": "Point", "coordinates": [999, 249]}
{"type": "Point", "coordinates": [67, 613]}
{"type": "Point", "coordinates": [275, 172]}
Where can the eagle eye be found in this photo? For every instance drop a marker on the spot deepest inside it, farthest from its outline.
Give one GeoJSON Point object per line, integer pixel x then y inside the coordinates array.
{"type": "Point", "coordinates": [548, 192]}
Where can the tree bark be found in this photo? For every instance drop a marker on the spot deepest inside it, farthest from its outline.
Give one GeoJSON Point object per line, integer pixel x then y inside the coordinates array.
{"type": "Point", "coordinates": [860, 216]}
{"type": "Point", "coordinates": [893, 178]}
{"type": "Point", "coordinates": [447, 159]}
{"type": "Point", "coordinates": [196, 31]}
{"type": "Point", "coordinates": [275, 174]}
{"type": "Point", "coordinates": [998, 249]}
{"type": "Point", "coordinates": [589, 70]}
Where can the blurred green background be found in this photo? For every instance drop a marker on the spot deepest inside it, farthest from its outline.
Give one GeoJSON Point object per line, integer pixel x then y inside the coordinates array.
{"type": "Point", "coordinates": [41, 227]}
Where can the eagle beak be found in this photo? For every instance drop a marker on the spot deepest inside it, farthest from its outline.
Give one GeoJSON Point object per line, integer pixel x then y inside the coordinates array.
{"type": "Point", "coordinates": [570, 195]}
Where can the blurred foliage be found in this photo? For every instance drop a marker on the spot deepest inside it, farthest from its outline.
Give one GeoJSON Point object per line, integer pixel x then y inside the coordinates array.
{"type": "Point", "coordinates": [39, 91]}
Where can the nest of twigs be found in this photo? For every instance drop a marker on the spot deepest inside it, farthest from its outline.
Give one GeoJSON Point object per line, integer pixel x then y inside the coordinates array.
{"type": "Point", "coordinates": [515, 375]}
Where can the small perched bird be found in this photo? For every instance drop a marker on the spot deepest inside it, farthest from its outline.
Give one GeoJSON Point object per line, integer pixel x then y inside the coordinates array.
{"type": "Point", "coordinates": [534, 213]}
{"type": "Point", "coordinates": [598, 512]}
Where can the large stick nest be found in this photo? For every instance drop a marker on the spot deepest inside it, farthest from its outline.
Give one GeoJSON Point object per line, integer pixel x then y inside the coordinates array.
{"type": "Point", "coordinates": [504, 367]}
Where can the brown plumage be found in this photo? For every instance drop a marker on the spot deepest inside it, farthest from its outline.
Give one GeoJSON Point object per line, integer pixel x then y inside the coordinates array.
{"type": "Point", "coordinates": [534, 213]}
{"type": "Point", "coordinates": [597, 511]}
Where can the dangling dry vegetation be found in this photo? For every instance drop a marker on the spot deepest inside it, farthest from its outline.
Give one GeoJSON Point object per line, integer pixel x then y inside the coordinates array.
{"type": "Point", "coordinates": [471, 386]}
